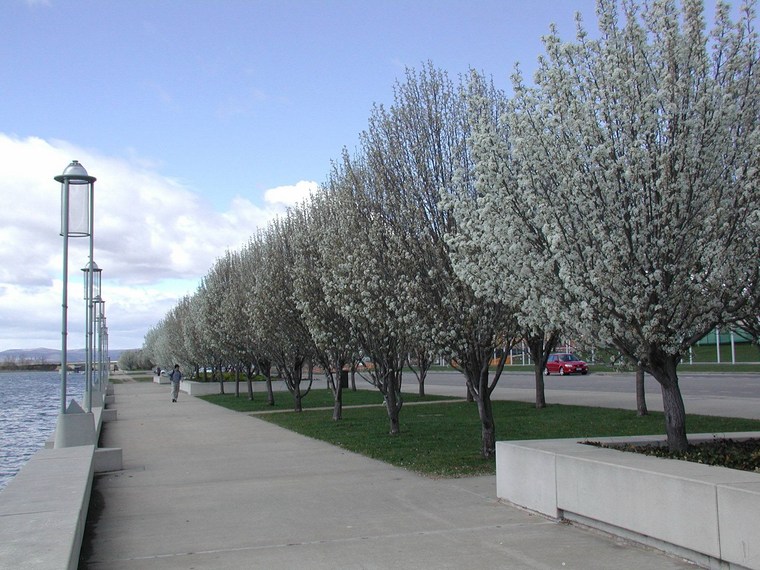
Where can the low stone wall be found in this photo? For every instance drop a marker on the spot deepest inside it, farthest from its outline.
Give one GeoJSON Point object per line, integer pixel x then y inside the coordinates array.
{"type": "Point", "coordinates": [43, 510]}
{"type": "Point", "coordinates": [710, 515]}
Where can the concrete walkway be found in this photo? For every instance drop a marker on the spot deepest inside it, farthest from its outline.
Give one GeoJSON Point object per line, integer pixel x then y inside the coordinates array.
{"type": "Point", "coordinates": [204, 487]}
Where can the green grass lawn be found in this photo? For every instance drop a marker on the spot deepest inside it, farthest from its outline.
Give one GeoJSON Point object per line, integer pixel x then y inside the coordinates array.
{"type": "Point", "coordinates": [142, 377]}
{"type": "Point", "coordinates": [744, 352]}
{"type": "Point", "coordinates": [317, 398]}
{"type": "Point", "coordinates": [443, 439]}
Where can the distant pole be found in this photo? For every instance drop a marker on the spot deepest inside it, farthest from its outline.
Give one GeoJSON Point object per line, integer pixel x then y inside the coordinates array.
{"type": "Point", "coordinates": [98, 327]}
{"type": "Point", "coordinates": [105, 352]}
{"type": "Point", "coordinates": [91, 294]}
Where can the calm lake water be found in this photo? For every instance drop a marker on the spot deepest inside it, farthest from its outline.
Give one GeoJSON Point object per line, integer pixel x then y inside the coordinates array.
{"type": "Point", "coordinates": [29, 407]}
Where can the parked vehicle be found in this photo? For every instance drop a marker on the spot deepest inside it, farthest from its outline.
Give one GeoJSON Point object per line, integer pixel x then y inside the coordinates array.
{"type": "Point", "coordinates": [565, 363]}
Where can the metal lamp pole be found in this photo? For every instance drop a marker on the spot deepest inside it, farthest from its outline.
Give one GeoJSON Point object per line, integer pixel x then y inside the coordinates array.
{"type": "Point", "coordinates": [77, 191]}
{"type": "Point", "coordinates": [99, 323]}
{"type": "Point", "coordinates": [106, 356]}
{"type": "Point", "coordinates": [91, 293]}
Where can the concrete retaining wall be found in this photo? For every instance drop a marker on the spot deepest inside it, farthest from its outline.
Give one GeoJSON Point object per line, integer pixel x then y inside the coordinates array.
{"type": "Point", "coordinates": [703, 513]}
{"type": "Point", "coordinates": [44, 509]}
{"type": "Point", "coordinates": [206, 388]}
{"type": "Point", "coordinates": [202, 388]}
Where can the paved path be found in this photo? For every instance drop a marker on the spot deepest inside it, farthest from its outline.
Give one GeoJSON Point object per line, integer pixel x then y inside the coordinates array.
{"type": "Point", "coordinates": [207, 488]}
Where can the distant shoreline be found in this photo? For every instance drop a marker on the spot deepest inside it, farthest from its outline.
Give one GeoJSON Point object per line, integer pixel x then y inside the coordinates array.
{"type": "Point", "coordinates": [46, 367]}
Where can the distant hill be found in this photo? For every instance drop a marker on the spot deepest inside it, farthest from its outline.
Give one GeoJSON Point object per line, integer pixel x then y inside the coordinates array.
{"type": "Point", "coordinates": [48, 355]}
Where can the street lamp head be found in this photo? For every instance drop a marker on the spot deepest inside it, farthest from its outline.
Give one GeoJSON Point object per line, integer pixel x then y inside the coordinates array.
{"type": "Point", "coordinates": [100, 309]}
{"type": "Point", "coordinates": [92, 271]}
{"type": "Point", "coordinates": [76, 198]}
{"type": "Point", "coordinates": [75, 173]}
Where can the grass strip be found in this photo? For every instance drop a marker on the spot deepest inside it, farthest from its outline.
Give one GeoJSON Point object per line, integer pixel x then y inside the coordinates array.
{"type": "Point", "coordinates": [443, 440]}
{"type": "Point", "coordinates": [317, 398]}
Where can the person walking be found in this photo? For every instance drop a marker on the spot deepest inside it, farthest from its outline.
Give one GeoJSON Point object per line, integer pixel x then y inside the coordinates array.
{"type": "Point", "coordinates": [175, 376]}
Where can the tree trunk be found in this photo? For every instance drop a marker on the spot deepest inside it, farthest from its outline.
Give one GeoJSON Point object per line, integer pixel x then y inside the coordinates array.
{"type": "Point", "coordinates": [338, 404]}
{"type": "Point", "coordinates": [297, 396]}
{"type": "Point", "coordinates": [421, 381]}
{"type": "Point", "coordinates": [392, 401]}
{"type": "Point", "coordinates": [538, 371]}
{"type": "Point", "coordinates": [393, 412]}
{"type": "Point", "coordinates": [488, 428]}
{"type": "Point", "coordinates": [536, 348]}
{"type": "Point", "coordinates": [641, 398]}
{"type": "Point", "coordinates": [249, 375]}
{"type": "Point", "coordinates": [266, 369]}
{"type": "Point", "coordinates": [237, 381]}
{"type": "Point", "coordinates": [675, 417]}
{"type": "Point", "coordinates": [423, 365]}
{"type": "Point", "coordinates": [485, 411]}
{"type": "Point", "coordinates": [335, 384]}
{"type": "Point", "coordinates": [540, 347]}
{"type": "Point", "coordinates": [663, 368]}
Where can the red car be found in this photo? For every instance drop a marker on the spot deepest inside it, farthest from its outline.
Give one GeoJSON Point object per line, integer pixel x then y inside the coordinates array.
{"type": "Point", "coordinates": [565, 363]}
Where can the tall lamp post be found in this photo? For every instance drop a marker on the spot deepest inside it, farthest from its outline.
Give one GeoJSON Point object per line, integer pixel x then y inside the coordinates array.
{"type": "Point", "coordinates": [77, 194]}
{"type": "Point", "coordinates": [91, 294]}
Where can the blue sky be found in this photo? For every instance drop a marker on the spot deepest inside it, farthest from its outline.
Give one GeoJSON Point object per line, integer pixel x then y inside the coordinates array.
{"type": "Point", "coordinates": [233, 97]}
{"type": "Point", "coordinates": [202, 119]}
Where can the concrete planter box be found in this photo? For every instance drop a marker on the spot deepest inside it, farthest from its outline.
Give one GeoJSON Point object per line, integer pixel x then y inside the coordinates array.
{"type": "Point", "coordinates": [710, 515]}
{"type": "Point", "coordinates": [206, 388]}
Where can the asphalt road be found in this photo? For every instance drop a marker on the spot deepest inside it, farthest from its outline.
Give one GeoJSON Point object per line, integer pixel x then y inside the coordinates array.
{"type": "Point", "coordinates": [725, 394]}
{"type": "Point", "coordinates": [744, 385]}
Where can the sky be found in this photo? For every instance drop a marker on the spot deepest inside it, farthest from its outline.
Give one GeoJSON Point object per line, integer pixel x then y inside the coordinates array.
{"type": "Point", "coordinates": [201, 120]}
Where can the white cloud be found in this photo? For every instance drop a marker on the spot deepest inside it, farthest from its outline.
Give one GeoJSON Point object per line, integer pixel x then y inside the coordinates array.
{"type": "Point", "coordinates": [291, 195]}
{"type": "Point", "coordinates": [154, 240]}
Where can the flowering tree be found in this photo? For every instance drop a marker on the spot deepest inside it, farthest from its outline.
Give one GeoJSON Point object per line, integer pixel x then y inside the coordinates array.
{"type": "Point", "coordinates": [167, 341]}
{"type": "Point", "coordinates": [211, 296]}
{"type": "Point", "coordinates": [192, 334]}
{"type": "Point", "coordinates": [498, 247]}
{"type": "Point", "coordinates": [237, 334]}
{"type": "Point", "coordinates": [154, 344]}
{"type": "Point", "coordinates": [369, 276]}
{"type": "Point", "coordinates": [752, 326]}
{"type": "Point", "coordinates": [645, 142]}
{"type": "Point", "coordinates": [330, 329]}
{"type": "Point", "coordinates": [417, 150]}
{"type": "Point", "coordinates": [251, 340]}
{"type": "Point", "coordinates": [203, 311]}
{"type": "Point", "coordinates": [284, 334]}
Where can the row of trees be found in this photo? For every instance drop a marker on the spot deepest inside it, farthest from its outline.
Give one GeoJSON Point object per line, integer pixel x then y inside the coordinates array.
{"type": "Point", "coordinates": [615, 199]}
{"type": "Point", "coordinates": [138, 359]}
